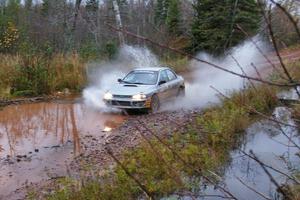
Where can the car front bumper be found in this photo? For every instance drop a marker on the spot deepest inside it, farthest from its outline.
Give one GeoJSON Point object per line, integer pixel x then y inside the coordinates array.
{"type": "Point", "coordinates": [128, 103]}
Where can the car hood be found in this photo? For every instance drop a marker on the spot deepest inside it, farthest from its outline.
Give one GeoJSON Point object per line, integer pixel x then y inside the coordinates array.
{"type": "Point", "coordinates": [131, 89]}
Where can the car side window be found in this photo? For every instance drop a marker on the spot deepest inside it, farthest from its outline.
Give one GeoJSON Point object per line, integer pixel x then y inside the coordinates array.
{"type": "Point", "coordinates": [164, 76]}
{"type": "Point", "coordinates": [171, 75]}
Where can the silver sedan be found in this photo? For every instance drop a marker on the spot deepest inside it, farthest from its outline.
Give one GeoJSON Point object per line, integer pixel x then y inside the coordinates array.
{"type": "Point", "coordinates": [145, 88]}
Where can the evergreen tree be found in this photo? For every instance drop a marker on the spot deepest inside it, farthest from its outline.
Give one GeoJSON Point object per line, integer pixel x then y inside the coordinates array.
{"type": "Point", "coordinates": [161, 11]}
{"type": "Point", "coordinates": [173, 17]}
{"type": "Point", "coordinates": [92, 6]}
{"type": "Point", "coordinates": [214, 27]}
{"type": "Point", "coordinates": [45, 7]}
{"type": "Point", "coordinates": [28, 4]}
{"type": "Point", "coordinates": [12, 10]}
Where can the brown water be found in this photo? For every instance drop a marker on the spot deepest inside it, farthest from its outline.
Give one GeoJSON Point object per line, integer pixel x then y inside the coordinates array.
{"type": "Point", "coordinates": [38, 140]}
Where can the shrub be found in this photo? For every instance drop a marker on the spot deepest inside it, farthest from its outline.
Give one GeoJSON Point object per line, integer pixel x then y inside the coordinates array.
{"type": "Point", "coordinates": [110, 49]}
{"type": "Point", "coordinates": [31, 80]}
{"type": "Point", "coordinates": [35, 74]}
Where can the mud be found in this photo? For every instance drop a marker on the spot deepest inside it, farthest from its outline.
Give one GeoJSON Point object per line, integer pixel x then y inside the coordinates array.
{"type": "Point", "coordinates": [38, 141]}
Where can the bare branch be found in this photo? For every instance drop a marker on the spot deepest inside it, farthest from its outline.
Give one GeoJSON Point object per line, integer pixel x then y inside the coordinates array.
{"type": "Point", "coordinates": [272, 168]}
{"type": "Point", "coordinates": [199, 172]}
{"type": "Point", "coordinates": [294, 84]}
{"type": "Point", "coordinates": [271, 33]}
{"type": "Point", "coordinates": [279, 188]}
{"type": "Point", "coordinates": [288, 15]}
{"type": "Point", "coordinates": [149, 194]}
{"type": "Point", "coordinates": [243, 71]}
{"type": "Point", "coordinates": [260, 51]}
{"type": "Point", "coordinates": [252, 189]}
{"type": "Point", "coordinates": [159, 156]}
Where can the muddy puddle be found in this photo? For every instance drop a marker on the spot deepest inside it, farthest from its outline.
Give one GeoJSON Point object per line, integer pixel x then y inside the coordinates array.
{"type": "Point", "coordinates": [37, 141]}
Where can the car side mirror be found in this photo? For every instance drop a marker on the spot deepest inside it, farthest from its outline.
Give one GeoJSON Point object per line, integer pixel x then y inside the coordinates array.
{"type": "Point", "coordinates": [119, 80]}
{"type": "Point", "coordinates": [162, 82]}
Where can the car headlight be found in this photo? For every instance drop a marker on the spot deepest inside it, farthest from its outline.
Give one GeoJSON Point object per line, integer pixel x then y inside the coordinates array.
{"type": "Point", "coordinates": [107, 96]}
{"type": "Point", "coordinates": [139, 97]}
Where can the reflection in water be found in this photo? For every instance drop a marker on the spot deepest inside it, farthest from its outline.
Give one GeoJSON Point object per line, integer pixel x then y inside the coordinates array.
{"type": "Point", "coordinates": [24, 128]}
{"type": "Point", "coordinates": [40, 140]}
{"type": "Point", "coordinates": [107, 129]}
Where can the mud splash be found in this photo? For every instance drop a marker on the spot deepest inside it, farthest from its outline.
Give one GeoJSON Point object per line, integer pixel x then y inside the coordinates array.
{"type": "Point", "coordinates": [37, 141]}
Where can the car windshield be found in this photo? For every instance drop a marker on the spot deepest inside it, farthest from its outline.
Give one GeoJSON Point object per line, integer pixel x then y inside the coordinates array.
{"type": "Point", "coordinates": [141, 77]}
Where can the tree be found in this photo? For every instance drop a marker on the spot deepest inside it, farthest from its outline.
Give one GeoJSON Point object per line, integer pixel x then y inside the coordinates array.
{"type": "Point", "coordinates": [118, 20]}
{"type": "Point", "coordinates": [12, 10]}
{"type": "Point", "coordinates": [92, 6]}
{"type": "Point", "coordinates": [45, 7]}
{"type": "Point", "coordinates": [28, 4]}
{"type": "Point", "coordinates": [173, 17]}
{"type": "Point", "coordinates": [161, 10]}
{"type": "Point", "coordinates": [214, 26]}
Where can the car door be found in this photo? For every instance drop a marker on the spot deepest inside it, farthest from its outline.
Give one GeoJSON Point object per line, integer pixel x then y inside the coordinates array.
{"type": "Point", "coordinates": [173, 85]}
{"type": "Point", "coordinates": [163, 93]}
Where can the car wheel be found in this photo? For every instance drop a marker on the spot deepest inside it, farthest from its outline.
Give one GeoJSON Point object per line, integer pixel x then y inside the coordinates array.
{"type": "Point", "coordinates": [155, 104]}
{"type": "Point", "coordinates": [181, 92]}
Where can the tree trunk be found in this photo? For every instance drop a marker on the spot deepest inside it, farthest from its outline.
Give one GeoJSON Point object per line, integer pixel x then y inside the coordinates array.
{"type": "Point", "coordinates": [77, 7]}
{"type": "Point", "coordinates": [118, 21]}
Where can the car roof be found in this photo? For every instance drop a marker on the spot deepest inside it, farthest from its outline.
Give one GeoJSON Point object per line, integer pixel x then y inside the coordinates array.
{"type": "Point", "coordinates": [151, 69]}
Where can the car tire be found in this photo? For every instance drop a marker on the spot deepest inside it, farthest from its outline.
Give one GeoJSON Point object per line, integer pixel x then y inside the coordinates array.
{"type": "Point", "coordinates": [181, 92]}
{"type": "Point", "coordinates": [155, 104]}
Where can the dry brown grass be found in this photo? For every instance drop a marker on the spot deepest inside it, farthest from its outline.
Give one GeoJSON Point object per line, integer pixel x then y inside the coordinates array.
{"type": "Point", "coordinates": [63, 71]}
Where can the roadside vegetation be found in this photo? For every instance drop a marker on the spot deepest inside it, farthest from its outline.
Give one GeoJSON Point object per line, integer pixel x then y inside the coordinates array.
{"type": "Point", "coordinates": [38, 75]}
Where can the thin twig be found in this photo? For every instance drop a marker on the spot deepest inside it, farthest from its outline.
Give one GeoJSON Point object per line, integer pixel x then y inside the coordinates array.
{"type": "Point", "coordinates": [249, 108]}
{"type": "Point", "coordinates": [243, 71]}
{"type": "Point", "coordinates": [261, 52]}
{"type": "Point", "coordinates": [289, 16]}
{"type": "Point", "coordinates": [268, 20]}
{"type": "Point", "coordinates": [279, 188]}
{"type": "Point", "coordinates": [185, 162]}
{"type": "Point", "coordinates": [270, 167]}
{"type": "Point", "coordinates": [159, 156]}
{"type": "Point", "coordinates": [149, 194]}
{"type": "Point", "coordinates": [252, 189]}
